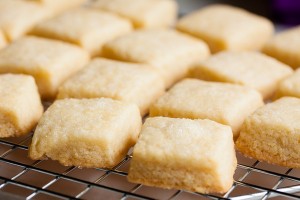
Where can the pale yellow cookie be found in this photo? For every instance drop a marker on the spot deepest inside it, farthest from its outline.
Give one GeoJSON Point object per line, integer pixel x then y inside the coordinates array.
{"type": "Point", "coordinates": [133, 83]}
{"type": "Point", "coordinates": [285, 47]}
{"type": "Point", "coordinates": [142, 13]}
{"type": "Point", "coordinates": [194, 155]}
{"type": "Point", "coordinates": [251, 69]}
{"type": "Point", "coordinates": [225, 27]}
{"type": "Point", "coordinates": [58, 6]}
{"type": "Point", "coordinates": [225, 103]}
{"type": "Point", "coordinates": [86, 132]}
{"type": "Point", "coordinates": [272, 134]}
{"type": "Point", "coordinates": [17, 17]}
{"type": "Point", "coordinates": [290, 86]}
{"type": "Point", "coordinates": [20, 105]}
{"type": "Point", "coordinates": [171, 52]}
{"type": "Point", "coordinates": [50, 62]}
{"type": "Point", "coordinates": [87, 28]}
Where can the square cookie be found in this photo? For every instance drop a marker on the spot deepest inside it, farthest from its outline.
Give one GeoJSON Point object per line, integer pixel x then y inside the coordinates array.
{"type": "Point", "coordinates": [17, 17]}
{"type": "Point", "coordinates": [142, 13]}
{"type": "Point", "coordinates": [290, 86]}
{"type": "Point", "coordinates": [171, 52]}
{"type": "Point", "coordinates": [284, 46]}
{"type": "Point", "coordinates": [50, 62]}
{"type": "Point", "coordinates": [225, 27]}
{"type": "Point", "coordinates": [20, 105]}
{"type": "Point", "coordinates": [194, 155]}
{"type": "Point", "coordinates": [86, 132]}
{"type": "Point", "coordinates": [134, 83]}
{"type": "Point", "coordinates": [225, 103]}
{"type": "Point", "coordinates": [251, 69]}
{"type": "Point", "coordinates": [272, 134]}
{"type": "Point", "coordinates": [87, 28]}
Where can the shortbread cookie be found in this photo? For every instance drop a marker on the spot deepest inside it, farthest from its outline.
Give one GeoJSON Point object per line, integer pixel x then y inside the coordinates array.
{"type": "Point", "coordinates": [225, 27]}
{"type": "Point", "coordinates": [87, 28]}
{"type": "Point", "coordinates": [58, 6]}
{"type": "Point", "coordinates": [20, 105]}
{"type": "Point", "coordinates": [225, 103]}
{"type": "Point", "coordinates": [290, 86]}
{"type": "Point", "coordinates": [86, 132]}
{"type": "Point", "coordinates": [252, 69]}
{"type": "Point", "coordinates": [285, 47]}
{"type": "Point", "coordinates": [17, 17]}
{"type": "Point", "coordinates": [272, 134]}
{"type": "Point", "coordinates": [142, 13]}
{"type": "Point", "coordinates": [169, 51]}
{"type": "Point", "coordinates": [195, 155]}
{"type": "Point", "coordinates": [50, 62]}
{"type": "Point", "coordinates": [134, 83]}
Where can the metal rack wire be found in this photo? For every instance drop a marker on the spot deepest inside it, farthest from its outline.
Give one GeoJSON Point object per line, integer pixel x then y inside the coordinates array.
{"type": "Point", "coordinates": [48, 180]}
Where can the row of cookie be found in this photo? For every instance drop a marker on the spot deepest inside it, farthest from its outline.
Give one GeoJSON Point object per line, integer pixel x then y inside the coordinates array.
{"type": "Point", "coordinates": [221, 27]}
{"type": "Point", "coordinates": [52, 62]}
{"type": "Point", "coordinates": [143, 85]}
{"type": "Point", "coordinates": [142, 14]}
{"type": "Point", "coordinates": [99, 132]}
{"type": "Point", "coordinates": [166, 145]}
{"type": "Point", "coordinates": [196, 155]}
{"type": "Point", "coordinates": [70, 124]}
{"type": "Point", "coordinates": [83, 23]}
{"type": "Point", "coordinates": [228, 28]}
{"type": "Point", "coordinates": [126, 48]}
{"type": "Point", "coordinates": [18, 17]}
{"type": "Point", "coordinates": [173, 54]}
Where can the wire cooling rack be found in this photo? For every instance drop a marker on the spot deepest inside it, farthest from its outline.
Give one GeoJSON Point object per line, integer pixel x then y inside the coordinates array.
{"type": "Point", "coordinates": [47, 179]}
{"type": "Point", "coordinates": [23, 178]}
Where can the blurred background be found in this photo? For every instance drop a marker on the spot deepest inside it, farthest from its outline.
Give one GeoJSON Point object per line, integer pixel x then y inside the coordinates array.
{"type": "Point", "coordinates": [281, 12]}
